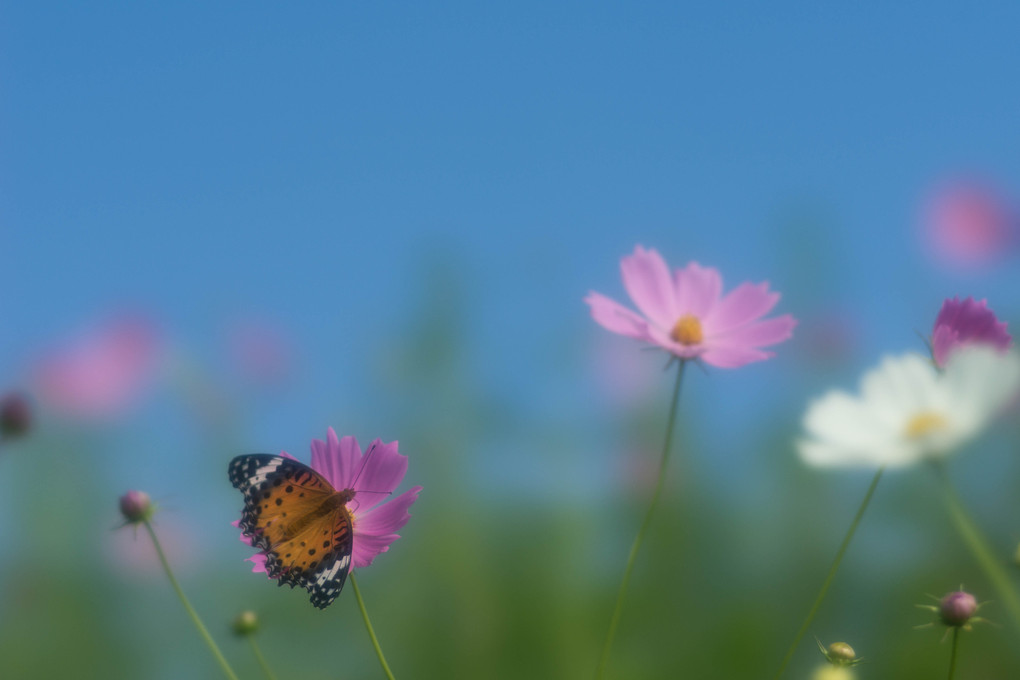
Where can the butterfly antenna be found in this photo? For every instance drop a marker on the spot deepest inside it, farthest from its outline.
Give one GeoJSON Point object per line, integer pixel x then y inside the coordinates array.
{"type": "Point", "coordinates": [364, 462]}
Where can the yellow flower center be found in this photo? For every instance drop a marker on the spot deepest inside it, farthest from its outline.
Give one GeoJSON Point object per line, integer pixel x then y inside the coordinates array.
{"type": "Point", "coordinates": [687, 330]}
{"type": "Point", "coordinates": [924, 424]}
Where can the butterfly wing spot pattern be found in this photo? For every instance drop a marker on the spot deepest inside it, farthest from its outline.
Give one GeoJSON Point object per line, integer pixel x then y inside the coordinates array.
{"type": "Point", "coordinates": [298, 520]}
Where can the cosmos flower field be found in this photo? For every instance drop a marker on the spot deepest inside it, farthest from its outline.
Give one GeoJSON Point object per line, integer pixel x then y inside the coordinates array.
{"type": "Point", "coordinates": [914, 410]}
{"type": "Point", "coordinates": [642, 341]}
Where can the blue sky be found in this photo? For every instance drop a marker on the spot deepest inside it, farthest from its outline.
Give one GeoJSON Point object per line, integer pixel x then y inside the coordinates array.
{"type": "Point", "coordinates": [306, 164]}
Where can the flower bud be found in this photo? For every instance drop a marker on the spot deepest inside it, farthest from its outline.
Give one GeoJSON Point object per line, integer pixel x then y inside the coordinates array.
{"type": "Point", "coordinates": [840, 654]}
{"type": "Point", "coordinates": [957, 608]}
{"type": "Point", "coordinates": [246, 623]}
{"type": "Point", "coordinates": [136, 506]}
{"type": "Point", "coordinates": [15, 416]}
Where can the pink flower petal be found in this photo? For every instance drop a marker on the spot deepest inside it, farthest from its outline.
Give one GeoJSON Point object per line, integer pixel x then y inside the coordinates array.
{"type": "Point", "coordinates": [743, 304]}
{"type": "Point", "coordinates": [367, 548]}
{"type": "Point", "coordinates": [373, 530]}
{"type": "Point", "coordinates": [613, 316]}
{"type": "Point", "coordinates": [647, 280]}
{"type": "Point", "coordinates": [733, 357]}
{"type": "Point", "coordinates": [258, 561]}
{"type": "Point", "coordinates": [697, 290]}
{"type": "Point", "coordinates": [388, 517]}
{"type": "Point", "coordinates": [965, 322]}
{"type": "Point", "coordinates": [336, 460]}
{"type": "Point", "coordinates": [760, 333]}
{"type": "Point", "coordinates": [383, 468]}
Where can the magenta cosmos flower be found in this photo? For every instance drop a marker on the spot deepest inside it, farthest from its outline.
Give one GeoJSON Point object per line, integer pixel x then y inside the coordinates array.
{"type": "Point", "coordinates": [371, 478]}
{"type": "Point", "coordinates": [687, 315]}
{"type": "Point", "coordinates": [966, 322]}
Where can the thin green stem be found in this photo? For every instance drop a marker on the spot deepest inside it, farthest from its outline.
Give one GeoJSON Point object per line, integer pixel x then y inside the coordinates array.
{"type": "Point", "coordinates": [187, 606]}
{"type": "Point", "coordinates": [831, 575]}
{"type": "Point", "coordinates": [978, 546]}
{"type": "Point", "coordinates": [371, 633]}
{"type": "Point", "coordinates": [952, 655]}
{"type": "Point", "coordinates": [664, 461]}
{"type": "Point", "coordinates": [261, 659]}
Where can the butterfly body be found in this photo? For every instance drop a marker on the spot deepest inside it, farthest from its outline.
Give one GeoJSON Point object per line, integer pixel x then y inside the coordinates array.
{"type": "Point", "coordinates": [301, 523]}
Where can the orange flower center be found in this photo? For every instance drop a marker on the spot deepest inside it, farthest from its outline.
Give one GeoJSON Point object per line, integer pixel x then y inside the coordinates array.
{"type": "Point", "coordinates": [687, 330]}
{"type": "Point", "coordinates": [924, 424]}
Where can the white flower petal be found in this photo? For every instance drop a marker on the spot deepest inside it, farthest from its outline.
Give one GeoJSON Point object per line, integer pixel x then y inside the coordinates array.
{"type": "Point", "coordinates": [832, 454]}
{"type": "Point", "coordinates": [981, 381]}
{"type": "Point", "coordinates": [898, 388]}
{"type": "Point", "coordinates": [840, 417]}
{"type": "Point", "coordinates": [908, 410]}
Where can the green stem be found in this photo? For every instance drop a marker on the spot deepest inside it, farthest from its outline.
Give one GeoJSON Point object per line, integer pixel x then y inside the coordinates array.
{"type": "Point", "coordinates": [952, 656]}
{"type": "Point", "coordinates": [371, 633]}
{"type": "Point", "coordinates": [832, 573]}
{"type": "Point", "coordinates": [979, 547]}
{"type": "Point", "coordinates": [187, 606]}
{"type": "Point", "coordinates": [618, 609]}
{"type": "Point", "coordinates": [261, 659]}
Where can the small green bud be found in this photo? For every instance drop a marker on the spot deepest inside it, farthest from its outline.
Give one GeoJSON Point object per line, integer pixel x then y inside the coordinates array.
{"type": "Point", "coordinates": [841, 654]}
{"type": "Point", "coordinates": [246, 623]}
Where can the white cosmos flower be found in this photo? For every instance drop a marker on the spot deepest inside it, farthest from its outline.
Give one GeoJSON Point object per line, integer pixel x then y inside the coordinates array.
{"type": "Point", "coordinates": [908, 410]}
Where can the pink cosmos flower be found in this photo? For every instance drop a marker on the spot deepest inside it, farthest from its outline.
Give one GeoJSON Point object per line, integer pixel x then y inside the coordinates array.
{"type": "Point", "coordinates": [966, 322]}
{"type": "Point", "coordinates": [687, 315]}
{"type": "Point", "coordinates": [99, 374]}
{"type": "Point", "coordinates": [373, 477]}
{"type": "Point", "coordinates": [968, 224]}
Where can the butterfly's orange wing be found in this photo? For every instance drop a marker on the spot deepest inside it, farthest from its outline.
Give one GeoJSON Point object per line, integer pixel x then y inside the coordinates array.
{"type": "Point", "coordinates": [298, 520]}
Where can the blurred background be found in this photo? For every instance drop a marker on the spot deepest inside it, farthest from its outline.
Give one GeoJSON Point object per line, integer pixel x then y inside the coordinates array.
{"type": "Point", "coordinates": [226, 228]}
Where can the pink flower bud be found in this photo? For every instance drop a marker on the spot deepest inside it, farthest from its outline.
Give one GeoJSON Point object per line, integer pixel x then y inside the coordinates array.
{"type": "Point", "coordinates": [957, 608]}
{"type": "Point", "coordinates": [136, 506]}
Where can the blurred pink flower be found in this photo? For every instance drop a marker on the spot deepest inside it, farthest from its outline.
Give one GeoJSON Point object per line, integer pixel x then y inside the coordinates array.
{"type": "Point", "coordinates": [966, 322]}
{"type": "Point", "coordinates": [100, 373]}
{"type": "Point", "coordinates": [968, 224]}
{"type": "Point", "coordinates": [373, 477]}
{"type": "Point", "coordinates": [687, 315]}
{"type": "Point", "coordinates": [260, 351]}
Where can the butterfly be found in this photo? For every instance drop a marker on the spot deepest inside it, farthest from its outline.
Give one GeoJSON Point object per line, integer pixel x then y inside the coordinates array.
{"type": "Point", "coordinates": [299, 520]}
